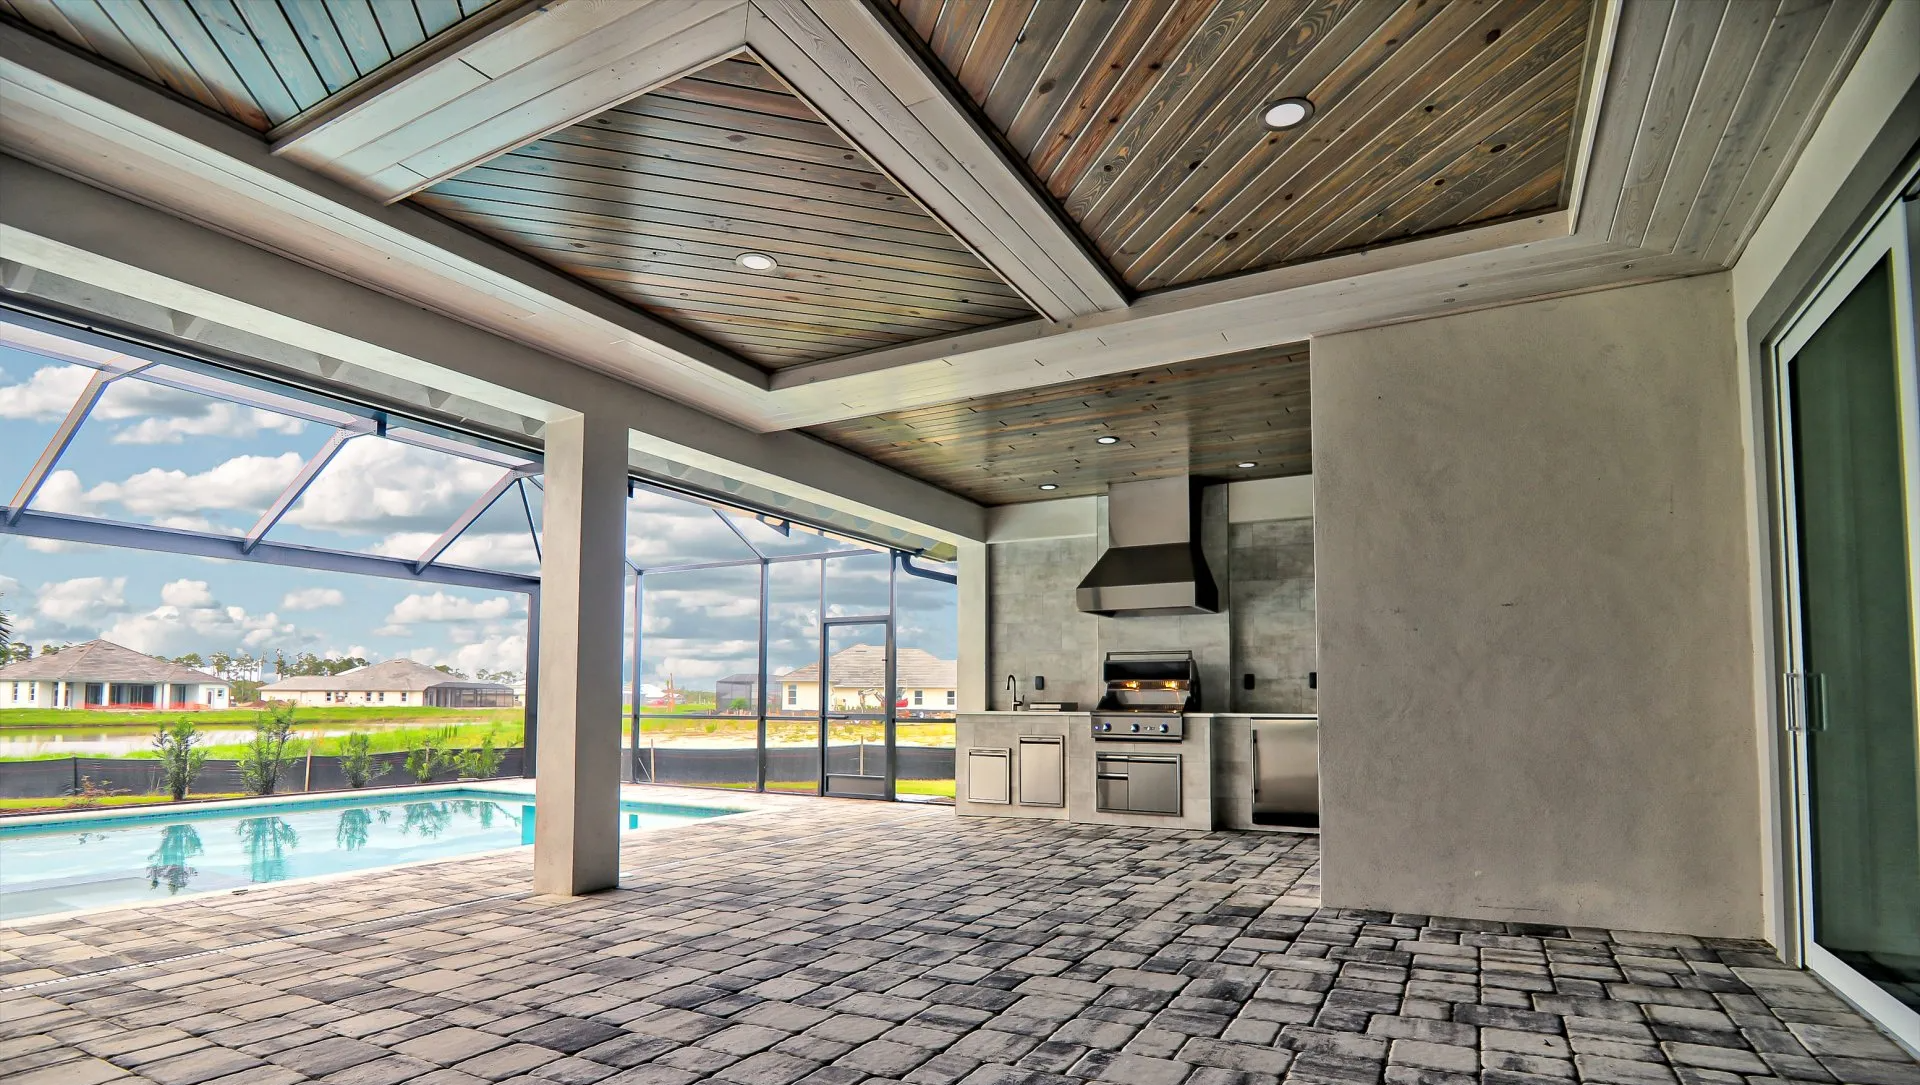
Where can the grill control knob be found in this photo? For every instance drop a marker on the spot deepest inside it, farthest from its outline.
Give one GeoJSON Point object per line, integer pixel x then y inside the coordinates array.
{"type": "Point", "coordinates": [1163, 728]}
{"type": "Point", "coordinates": [1136, 727]}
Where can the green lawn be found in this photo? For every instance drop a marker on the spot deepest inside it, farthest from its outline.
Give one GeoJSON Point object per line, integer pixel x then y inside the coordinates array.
{"type": "Point", "coordinates": [459, 736]}
{"type": "Point", "coordinates": [383, 714]}
{"type": "Point", "coordinates": [20, 806]}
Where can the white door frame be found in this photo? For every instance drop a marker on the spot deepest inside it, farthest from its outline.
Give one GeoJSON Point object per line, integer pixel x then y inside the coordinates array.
{"type": "Point", "coordinates": [1893, 237]}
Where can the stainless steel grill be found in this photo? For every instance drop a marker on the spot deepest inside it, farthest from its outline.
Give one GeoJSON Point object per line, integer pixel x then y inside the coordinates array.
{"type": "Point", "coordinates": [1146, 695]}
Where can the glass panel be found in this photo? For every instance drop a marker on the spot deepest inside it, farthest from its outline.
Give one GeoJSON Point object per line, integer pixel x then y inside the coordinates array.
{"type": "Point", "coordinates": [1857, 631]}
{"type": "Point", "coordinates": [698, 628]}
{"type": "Point", "coordinates": [501, 538]}
{"type": "Point", "coordinates": [150, 453]}
{"type": "Point", "coordinates": [857, 694]}
{"type": "Point", "coordinates": [926, 636]}
{"type": "Point", "coordinates": [664, 531]}
{"type": "Point", "coordinates": [793, 657]}
{"type": "Point", "coordinates": [857, 585]}
{"type": "Point", "coordinates": [35, 394]}
{"type": "Point", "coordinates": [383, 496]}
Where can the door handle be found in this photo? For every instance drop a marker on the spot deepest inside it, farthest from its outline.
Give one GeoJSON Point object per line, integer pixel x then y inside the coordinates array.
{"type": "Point", "coordinates": [1791, 702]}
{"type": "Point", "coordinates": [1256, 765]}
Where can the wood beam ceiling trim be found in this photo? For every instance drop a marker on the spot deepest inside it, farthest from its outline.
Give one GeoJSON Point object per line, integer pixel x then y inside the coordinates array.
{"type": "Point", "coordinates": [567, 60]}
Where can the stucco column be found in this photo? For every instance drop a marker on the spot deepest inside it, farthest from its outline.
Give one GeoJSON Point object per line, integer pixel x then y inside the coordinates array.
{"type": "Point", "coordinates": [576, 843]}
{"type": "Point", "coordinates": [972, 682]}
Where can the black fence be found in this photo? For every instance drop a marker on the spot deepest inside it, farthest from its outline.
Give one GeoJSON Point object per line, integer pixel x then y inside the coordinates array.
{"type": "Point", "coordinates": [737, 767]}
{"type": "Point", "coordinates": [142, 776]}
{"type": "Point", "coordinates": [709, 767]}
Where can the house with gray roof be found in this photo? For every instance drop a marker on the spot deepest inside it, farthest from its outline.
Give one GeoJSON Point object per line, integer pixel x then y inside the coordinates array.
{"type": "Point", "coordinates": [858, 680]}
{"type": "Point", "coordinates": [393, 682]}
{"type": "Point", "coordinates": [102, 674]}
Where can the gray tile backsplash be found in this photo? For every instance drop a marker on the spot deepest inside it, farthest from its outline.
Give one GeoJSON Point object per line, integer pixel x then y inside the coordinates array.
{"type": "Point", "coordinates": [1265, 574]}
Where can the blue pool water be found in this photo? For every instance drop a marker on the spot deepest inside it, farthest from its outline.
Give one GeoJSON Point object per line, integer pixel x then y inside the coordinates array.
{"type": "Point", "coordinates": [156, 854]}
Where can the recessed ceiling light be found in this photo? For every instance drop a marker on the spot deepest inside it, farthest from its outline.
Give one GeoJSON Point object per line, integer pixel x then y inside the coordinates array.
{"type": "Point", "coordinates": [1287, 113]}
{"type": "Point", "coordinates": [1248, 463]}
{"type": "Point", "coordinates": [756, 261]}
{"type": "Point", "coordinates": [1048, 486]}
{"type": "Point", "coordinates": [1106, 440]}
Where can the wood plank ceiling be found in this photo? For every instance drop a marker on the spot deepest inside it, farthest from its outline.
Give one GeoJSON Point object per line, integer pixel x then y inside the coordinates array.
{"type": "Point", "coordinates": [260, 62]}
{"type": "Point", "coordinates": [1143, 117]}
{"type": "Point", "coordinates": [655, 199]}
{"type": "Point", "coordinates": [1201, 418]}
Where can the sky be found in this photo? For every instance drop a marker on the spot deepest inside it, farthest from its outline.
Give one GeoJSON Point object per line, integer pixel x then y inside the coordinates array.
{"type": "Point", "coordinates": [159, 455]}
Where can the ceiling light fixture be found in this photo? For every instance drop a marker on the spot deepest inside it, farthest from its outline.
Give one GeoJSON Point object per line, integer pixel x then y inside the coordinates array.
{"type": "Point", "coordinates": [1048, 486]}
{"type": "Point", "coordinates": [1248, 463]}
{"type": "Point", "coordinates": [1287, 113]}
{"type": "Point", "coordinates": [1106, 440]}
{"type": "Point", "coordinates": [756, 261]}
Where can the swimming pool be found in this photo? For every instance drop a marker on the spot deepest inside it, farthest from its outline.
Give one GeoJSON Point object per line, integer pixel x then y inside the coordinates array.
{"type": "Point", "coordinates": [119, 858]}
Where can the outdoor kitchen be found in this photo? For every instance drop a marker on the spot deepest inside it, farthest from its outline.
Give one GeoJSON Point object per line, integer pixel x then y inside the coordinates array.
{"type": "Point", "coordinates": [1153, 654]}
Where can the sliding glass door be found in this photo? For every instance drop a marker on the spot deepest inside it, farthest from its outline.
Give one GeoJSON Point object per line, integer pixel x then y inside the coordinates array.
{"type": "Point", "coordinates": [1849, 430]}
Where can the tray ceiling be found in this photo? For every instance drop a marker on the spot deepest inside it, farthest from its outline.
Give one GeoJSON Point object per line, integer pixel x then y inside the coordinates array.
{"type": "Point", "coordinates": [1202, 418]}
{"type": "Point", "coordinates": [1143, 117]}
{"type": "Point", "coordinates": [261, 62]}
{"type": "Point", "coordinates": [656, 199]}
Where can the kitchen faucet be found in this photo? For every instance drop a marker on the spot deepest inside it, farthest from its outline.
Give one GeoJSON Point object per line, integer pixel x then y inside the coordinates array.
{"type": "Point", "coordinates": [1013, 683]}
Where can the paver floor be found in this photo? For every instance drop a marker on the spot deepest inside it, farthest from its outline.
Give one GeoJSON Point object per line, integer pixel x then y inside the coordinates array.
{"type": "Point", "coordinates": [841, 943]}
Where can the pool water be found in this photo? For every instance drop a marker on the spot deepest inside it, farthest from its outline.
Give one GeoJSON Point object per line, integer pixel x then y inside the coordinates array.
{"type": "Point", "coordinates": [156, 854]}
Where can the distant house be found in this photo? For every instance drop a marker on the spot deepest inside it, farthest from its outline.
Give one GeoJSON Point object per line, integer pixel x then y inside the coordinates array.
{"type": "Point", "coordinates": [736, 687]}
{"type": "Point", "coordinates": [102, 674]}
{"type": "Point", "coordinates": [395, 682]}
{"type": "Point", "coordinates": [925, 682]}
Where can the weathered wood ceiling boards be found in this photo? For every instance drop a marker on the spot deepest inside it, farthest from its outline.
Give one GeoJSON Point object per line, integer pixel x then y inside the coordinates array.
{"type": "Point", "coordinates": [1143, 117]}
{"type": "Point", "coordinates": [656, 199]}
{"type": "Point", "coordinates": [1202, 418]}
{"type": "Point", "coordinates": [260, 62]}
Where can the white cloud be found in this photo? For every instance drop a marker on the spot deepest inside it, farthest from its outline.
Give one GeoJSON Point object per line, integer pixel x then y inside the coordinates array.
{"type": "Point", "coordinates": [503, 652]}
{"type": "Point", "coordinates": [47, 395]}
{"type": "Point", "coordinates": [81, 601]}
{"type": "Point", "coordinates": [173, 630]}
{"type": "Point", "coordinates": [441, 607]}
{"type": "Point", "coordinates": [215, 420]}
{"type": "Point", "coordinates": [61, 492]}
{"type": "Point", "coordinates": [312, 599]}
{"type": "Point", "coordinates": [244, 482]}
{"type": "Point", "coordinates": [383, 487]}
{"type": "Point", "coordinates": [512, 550]}
{"type": "Point", "coordinates": [186, 593]}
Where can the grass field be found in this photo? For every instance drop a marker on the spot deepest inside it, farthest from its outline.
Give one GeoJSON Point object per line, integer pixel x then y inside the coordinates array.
{"type": "Point", "coordinates": [457, 736]}
{"type": "Point", "coordinates": [27, 806]}
{"type": "Point", "coordinates": [86, 719]}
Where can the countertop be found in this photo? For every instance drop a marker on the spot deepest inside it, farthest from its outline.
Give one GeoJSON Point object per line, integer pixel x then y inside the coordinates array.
{"type": "Point", "coordinates": [1188, 715]}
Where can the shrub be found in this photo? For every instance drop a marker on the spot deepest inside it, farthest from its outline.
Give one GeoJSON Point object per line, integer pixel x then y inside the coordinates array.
{"type": "Point", "coordinates": [180, 757]}
{"type": "Point", "coordinates": [357, 763]}
{"type": "Point", "coordinates": [90, 793]}
{"type": "Point", "coordinates": [430, 758]}
{"type": "Point", "coordinates": [271, 751]}
{"type": "Point", "coordinates": [483, 762]}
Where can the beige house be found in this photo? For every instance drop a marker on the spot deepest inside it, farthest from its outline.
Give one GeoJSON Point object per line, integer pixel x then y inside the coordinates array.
{"type": "Point", "coordinates": [102, 674]}
{"type": "Point", "coordinates": [394, 682]}
{"type": "Point", "coordinates": [859, 678]}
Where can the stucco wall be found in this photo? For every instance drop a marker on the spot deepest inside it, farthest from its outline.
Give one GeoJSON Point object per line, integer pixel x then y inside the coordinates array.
{"type": "Point", "coordinates": [1535, 656]}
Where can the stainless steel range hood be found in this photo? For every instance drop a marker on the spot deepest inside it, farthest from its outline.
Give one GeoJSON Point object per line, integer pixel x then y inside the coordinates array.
{"type": "Point", "coordinates": [1153, 563]}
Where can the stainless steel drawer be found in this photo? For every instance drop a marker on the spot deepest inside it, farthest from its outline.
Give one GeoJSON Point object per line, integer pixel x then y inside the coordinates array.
{"type": "Point", "coordinates": [1130, 783]}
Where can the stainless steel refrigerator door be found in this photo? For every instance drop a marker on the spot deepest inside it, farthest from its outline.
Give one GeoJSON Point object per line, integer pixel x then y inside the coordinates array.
{"type": "Point", "coordinates": [1286, 766]}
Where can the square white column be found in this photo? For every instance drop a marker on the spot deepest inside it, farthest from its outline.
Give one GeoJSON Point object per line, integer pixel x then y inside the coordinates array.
{"type": "Point", "coordinates": [576, 843]}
